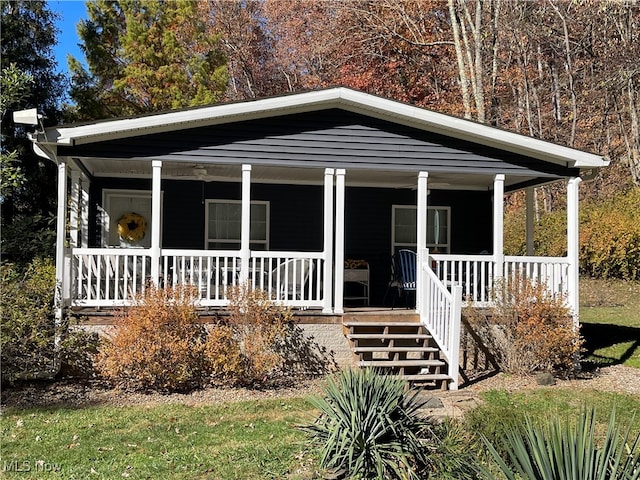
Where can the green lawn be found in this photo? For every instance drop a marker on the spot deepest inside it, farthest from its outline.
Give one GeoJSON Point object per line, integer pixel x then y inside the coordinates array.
{"type": "Point", "coordinates": [610, 317]}
{"type": "Point", "coordinates": [240, 440]}
{"type": "Point", "coordinates": [502, 408]}
{"type": "Point", "coordinates": [243, 440]}
{"type": "Point", "coordinates": [258, 440]}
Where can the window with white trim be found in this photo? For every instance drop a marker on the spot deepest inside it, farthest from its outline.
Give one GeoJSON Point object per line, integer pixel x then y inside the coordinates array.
{"type": "Point", "coordinates": [224, 225]}
{"type": "Point", "coordinates": [404, 231]}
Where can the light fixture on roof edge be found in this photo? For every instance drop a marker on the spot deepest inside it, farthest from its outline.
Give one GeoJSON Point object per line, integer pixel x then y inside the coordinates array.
{"type": "Point", "coordinates": [27, 117]}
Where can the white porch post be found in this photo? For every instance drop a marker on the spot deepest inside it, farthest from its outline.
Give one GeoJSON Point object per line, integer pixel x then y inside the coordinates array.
{"type": "Point", "coordinates": [339, 255]}
{"type": "Point", "coordinates": [421, 234]}
{"type": "Point", "coordinates": [61, 229]}
{"type": "Point", "coordinates": [245, 232]}
{"type": "Point", "coordinates": [84, 212]}
{"type": "Point", "coordinates": [498, 225]}
{"type": "Point", "coordinates": [573, 222]}
{"type": "Point", "coordinates": [530, 192]}
{"type": "Point", "coordinates": [74, 212]}
{"type": "Point", "coordinates": [156, 214]}
{"type": "Point", "coordinates": [328, 240]}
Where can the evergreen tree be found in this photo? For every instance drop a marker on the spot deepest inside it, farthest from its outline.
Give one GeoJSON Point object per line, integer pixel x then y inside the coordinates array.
{"type": "Point", "coordinates": [29, 80]}
{"type": "Point", "coordinates": [145, 57]}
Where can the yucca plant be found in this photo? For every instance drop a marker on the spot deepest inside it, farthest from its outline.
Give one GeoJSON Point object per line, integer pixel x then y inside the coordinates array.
{"type": "Point", "coordinates": [369, 427]}
{"type": "Point", "coordinates": [565, 450]}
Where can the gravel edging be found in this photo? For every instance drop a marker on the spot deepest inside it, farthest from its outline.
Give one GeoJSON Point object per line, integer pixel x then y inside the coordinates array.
{"type": "Point", "coordinates": [76, 394]}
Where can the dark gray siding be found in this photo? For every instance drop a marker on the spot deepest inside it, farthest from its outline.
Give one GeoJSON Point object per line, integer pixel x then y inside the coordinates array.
{"type": "Point", "coordinates": [330, 138]}
{"type": "Point", "coordinates": [297, 218]}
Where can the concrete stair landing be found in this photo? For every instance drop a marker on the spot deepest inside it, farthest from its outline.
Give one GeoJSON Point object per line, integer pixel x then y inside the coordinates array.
{"type": "Point", "coordinates": [403, 348]}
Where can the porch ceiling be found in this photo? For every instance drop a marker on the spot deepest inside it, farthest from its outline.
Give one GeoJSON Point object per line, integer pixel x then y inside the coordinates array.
{"type": "Point", "coordinates": [363, 177]}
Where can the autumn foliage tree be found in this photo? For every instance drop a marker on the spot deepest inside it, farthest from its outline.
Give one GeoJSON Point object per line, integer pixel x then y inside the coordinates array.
{"type": "Point", "coordinates": [145, 57]}
{"type": "Point", "coordinates": [560, 71]}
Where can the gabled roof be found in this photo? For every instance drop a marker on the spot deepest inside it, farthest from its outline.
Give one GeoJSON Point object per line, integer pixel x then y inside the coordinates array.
{"type": "Point", "coordinates": [340, 97]}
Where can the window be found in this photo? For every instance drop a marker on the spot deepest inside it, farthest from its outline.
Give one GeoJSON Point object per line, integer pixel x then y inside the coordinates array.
{"type": "Point", "coordinates": [404, 231]}
{"type": "Point", "coordinates": [224, 225]}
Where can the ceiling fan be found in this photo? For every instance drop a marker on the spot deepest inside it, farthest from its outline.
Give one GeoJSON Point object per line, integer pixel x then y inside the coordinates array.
{"type": "Point", "coordinates": [199, 172]}
{"type": "Point", "coordinates": [195, 172]}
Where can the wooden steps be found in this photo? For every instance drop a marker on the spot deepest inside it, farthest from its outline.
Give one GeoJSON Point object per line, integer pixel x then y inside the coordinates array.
{"type": "Point", "coordinates": [394, 349]}
{"type": "Point", "coordinates": [388, 336]}
{"type": "Point", "coordinates": [402, 348]}
{"type": "Point", "coordinates": [401, 363]}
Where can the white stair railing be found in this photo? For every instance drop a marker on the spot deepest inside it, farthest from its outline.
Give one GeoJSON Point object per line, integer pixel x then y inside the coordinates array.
{"type": "Point", "coordinates": [440, 312]}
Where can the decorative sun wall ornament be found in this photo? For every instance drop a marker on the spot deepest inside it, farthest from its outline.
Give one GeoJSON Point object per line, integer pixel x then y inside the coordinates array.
{"type": "Point", "coordinates": [132, 227]}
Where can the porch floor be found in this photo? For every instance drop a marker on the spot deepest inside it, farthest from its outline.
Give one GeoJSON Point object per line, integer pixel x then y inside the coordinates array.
{"type": "Point", "coordinates": [106, 316]}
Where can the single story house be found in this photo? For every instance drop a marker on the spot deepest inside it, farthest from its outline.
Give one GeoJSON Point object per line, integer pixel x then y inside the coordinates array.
{"type": "Point", "coordinates": [306, 195]}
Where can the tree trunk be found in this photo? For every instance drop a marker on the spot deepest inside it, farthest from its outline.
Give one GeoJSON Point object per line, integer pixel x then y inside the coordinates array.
{"type": "Point", "coordinates": [462, 68]}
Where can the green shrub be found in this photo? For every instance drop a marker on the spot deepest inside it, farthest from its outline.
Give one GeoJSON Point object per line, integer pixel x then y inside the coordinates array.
{"type": "Point", "coordinates": [28, 326]}
{"type": "Point", "coordinates": [29, 329]}
{"type": "Point", "coordinates": [562, 450]}
{"type": "Point", "coordinates": [78, 349]}
{"type": "Point", "coordinates": [158, 343]}
{"type": "Point", "coordinates": [369, 427]}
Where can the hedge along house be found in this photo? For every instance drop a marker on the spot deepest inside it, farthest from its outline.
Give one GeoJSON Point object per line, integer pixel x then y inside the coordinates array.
{"type": "Point", "coordinates": [285, 192]}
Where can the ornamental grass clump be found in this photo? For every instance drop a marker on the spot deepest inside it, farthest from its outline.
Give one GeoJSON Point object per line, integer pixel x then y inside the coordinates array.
{"type": "Point", "coordinates": [369, 427]}
{"type": "Point", "coordinates": [566, 450]}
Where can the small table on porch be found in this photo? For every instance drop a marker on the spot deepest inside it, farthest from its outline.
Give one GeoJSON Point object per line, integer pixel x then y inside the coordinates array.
{"type": "Point", "coordinates": [358, 276]}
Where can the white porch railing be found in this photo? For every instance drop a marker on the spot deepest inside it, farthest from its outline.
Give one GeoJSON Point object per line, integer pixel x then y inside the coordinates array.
{"type": "Point", "coordinates": [440, 311]}
{"type": "Point", "coordinates": [476, 274]}
{"type": "Point", "coordinates": [550, 271]}
{"type": "Point", "coordinates": [294, 279]}
{"type": "Point", "coordinates": [108, 276]}
{"type": "Point", "coordinates": [210, 271]}
{"type": "Point", "coordinates": [113, 276]}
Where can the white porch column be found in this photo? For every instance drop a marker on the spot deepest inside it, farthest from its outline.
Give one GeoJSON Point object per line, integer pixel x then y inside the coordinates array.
{"type": "Point", "coordinates": [84, 212]}
{"type": "Point", "coordinates": [498, 225]}
{"type": "Point", "coordinates": [421, 233]}
{"type": "Point", "coordinates": [328, 241]}
{"type": "Point", "coordinates": [62, 281]}
{"type": "Point", "coordinates": [75, 208]}
{"type": "Point", "coordinates": [529, 228]}
{"type": "Point", "coordinates": [245, 232]}
{"type": "Point", "coordinates": [573, 222]}
{"type": "Point", "coordinates": [339, 255]}
{"type": "Point", "coordinates": [156, 215]}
